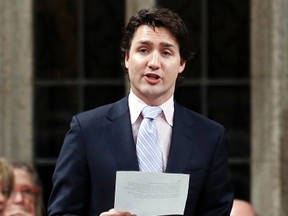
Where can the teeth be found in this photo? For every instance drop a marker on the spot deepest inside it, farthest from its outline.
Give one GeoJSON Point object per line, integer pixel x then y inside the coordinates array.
{"type": "Point", "coordinates": [153, 76]}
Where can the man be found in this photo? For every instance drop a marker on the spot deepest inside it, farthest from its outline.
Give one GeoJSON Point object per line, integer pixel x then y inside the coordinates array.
{"type": "Point", "coordinates": [105, 140]}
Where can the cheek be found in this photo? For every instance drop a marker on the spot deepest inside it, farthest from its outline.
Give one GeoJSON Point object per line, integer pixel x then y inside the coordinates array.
{"type": "Point", "coordinates": [135, 68]}
{"type": "Point", "coordinates": [30, 205]}
{"type": "Point", "coordinates": [173, 73]}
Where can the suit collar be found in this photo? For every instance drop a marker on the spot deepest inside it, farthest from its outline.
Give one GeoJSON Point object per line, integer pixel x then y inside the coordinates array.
{"type": "Point", "coordinates": [123, 147]}
{"type": "Point", "coordinates": [136, 106]}
{"type": "Point", "coordinates": [120, 137]}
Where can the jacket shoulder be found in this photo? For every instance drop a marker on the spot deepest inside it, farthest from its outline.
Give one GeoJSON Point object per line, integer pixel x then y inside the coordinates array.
{"type": "Point", "coordinates": [98, 113]}
{"type": "Point", "coordinates": [197, 119]}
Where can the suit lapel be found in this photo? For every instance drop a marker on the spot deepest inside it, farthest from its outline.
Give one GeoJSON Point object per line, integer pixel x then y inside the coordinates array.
{"type": "Point", "coordinates": [120, 137]}
{"type": "Point", "coordinates": [182, 143]}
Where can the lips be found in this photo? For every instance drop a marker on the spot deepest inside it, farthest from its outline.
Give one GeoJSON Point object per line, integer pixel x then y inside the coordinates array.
{"type": "Point", "coordinates": [152, 76]}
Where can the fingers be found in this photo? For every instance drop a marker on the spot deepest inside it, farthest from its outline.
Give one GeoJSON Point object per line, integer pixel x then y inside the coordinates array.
{"type": "Point", "coordinates": [112, 212]}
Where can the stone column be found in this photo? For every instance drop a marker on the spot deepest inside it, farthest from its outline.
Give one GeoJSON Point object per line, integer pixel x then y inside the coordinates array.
{"type": "Point", "coordinates": [269, 86]}
{"type": "Point", "coordinates": [132, 6]}
{"type": "Point", "coordinates": [16, 79]}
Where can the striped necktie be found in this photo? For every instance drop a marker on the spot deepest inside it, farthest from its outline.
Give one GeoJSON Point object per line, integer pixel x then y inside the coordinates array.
{"type": "Point", "coordinates": [149, 151]}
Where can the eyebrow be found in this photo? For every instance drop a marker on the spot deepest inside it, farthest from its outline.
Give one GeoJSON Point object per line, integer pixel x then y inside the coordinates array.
{"type": "Point", "coordinates": [162, 44]}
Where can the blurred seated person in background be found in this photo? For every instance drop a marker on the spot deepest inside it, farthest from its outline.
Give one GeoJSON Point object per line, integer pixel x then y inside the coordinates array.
{"type": "Point", "coordinates": [6, 182]}
{"type": "Point", "coordinates": [242, 208]}
{"type": "Point", "coordinates": [26, 198]}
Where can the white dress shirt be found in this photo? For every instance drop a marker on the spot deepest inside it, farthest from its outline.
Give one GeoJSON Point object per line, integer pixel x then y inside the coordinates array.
{"type": "Point", "coordinates": [164, 122]}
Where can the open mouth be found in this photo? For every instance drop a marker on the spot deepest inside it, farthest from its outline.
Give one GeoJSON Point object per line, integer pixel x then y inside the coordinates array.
{"type": "Point", "coordinates": [153, 76]}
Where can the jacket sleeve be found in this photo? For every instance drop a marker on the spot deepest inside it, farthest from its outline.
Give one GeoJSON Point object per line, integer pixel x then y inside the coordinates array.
{"type": "Point", "coordinates": [217, 195]}
{"type": "Point", "coordinates": [70, 187]}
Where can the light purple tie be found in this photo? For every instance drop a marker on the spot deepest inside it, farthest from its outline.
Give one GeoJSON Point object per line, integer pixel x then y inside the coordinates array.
{"type": "Point", "coordinates": [149, 151]}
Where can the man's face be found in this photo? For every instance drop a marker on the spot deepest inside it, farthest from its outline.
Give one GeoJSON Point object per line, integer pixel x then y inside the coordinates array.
{"type": "Point", "coordinates": [153, 64]}
{"type": "Point", "coordinates": [23, 196]}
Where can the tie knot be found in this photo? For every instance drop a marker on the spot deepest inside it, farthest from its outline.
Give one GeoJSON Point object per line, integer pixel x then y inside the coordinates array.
{"type": "Point", "coordinates": [151, 112]}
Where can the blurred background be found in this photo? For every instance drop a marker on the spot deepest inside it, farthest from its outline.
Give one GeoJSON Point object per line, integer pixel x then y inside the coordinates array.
{"type": "Point", "coordinates": [75, 63]}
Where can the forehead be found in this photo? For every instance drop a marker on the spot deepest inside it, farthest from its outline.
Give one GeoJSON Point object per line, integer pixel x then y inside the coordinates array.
{"type": "Point", "coordinates": [154, 35]}
{"type": "Point", "coordinates": [22, 177]}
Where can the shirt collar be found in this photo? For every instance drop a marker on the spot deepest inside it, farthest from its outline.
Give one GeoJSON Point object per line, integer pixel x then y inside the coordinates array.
{"type": "Point", "coordinates": [136, 105]}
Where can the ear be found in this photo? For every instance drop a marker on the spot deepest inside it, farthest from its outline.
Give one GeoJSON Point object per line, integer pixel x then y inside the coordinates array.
{"type": "Point", "coordinates": [182, 66]}
{"type": "Point", "coordinates": [127, 60]}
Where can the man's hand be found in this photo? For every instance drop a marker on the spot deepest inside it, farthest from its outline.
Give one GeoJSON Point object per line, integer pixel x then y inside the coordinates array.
{"type": "Point", "coordinates": [112, 212]}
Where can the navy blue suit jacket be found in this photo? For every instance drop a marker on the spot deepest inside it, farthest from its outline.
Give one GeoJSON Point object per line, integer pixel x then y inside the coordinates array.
{"type": "Point", "coordinates": [100, 142]}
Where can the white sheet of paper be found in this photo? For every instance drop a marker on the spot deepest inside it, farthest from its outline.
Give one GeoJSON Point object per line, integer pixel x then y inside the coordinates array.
{"type": "Point", "coordinates": [149, 194]}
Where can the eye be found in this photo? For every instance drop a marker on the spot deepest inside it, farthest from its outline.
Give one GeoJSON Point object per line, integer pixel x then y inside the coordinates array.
{"type": "Point", "coordinates": [26, 190]}
{"type": "Point", "coordinates": [143, 50]}
{"type": "Point", "coordinates": [167, 53]}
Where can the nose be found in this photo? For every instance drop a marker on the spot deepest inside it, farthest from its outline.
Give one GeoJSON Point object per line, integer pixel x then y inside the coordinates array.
{"type": "Point", "coordinates": [17, 197]}
{"type": "Point", "coordinates": [154, 61]}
